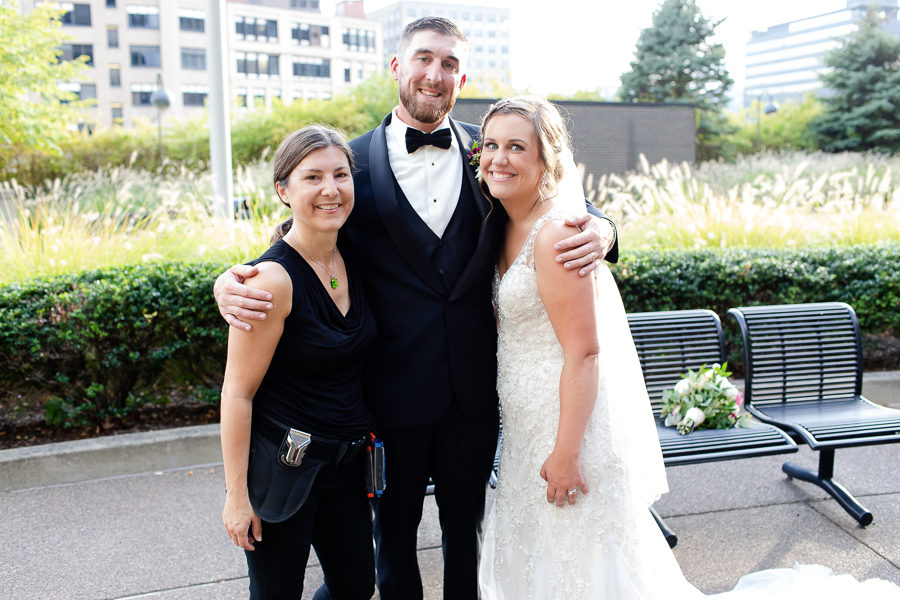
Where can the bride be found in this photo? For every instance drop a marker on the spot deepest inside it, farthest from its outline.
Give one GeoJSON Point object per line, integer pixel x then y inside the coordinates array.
{"type": "Point", "coordinates": [580, 461]}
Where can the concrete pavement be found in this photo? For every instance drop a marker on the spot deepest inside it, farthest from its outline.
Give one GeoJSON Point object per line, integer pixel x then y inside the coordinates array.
{"type": "Point", "coordinates": [138, 516]}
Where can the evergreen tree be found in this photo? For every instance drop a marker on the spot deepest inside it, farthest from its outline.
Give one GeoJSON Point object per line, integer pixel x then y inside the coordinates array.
{"type": "Point", "coordinates": [862, 100]}
{"type": "Point", "coordinates": [676, 61]}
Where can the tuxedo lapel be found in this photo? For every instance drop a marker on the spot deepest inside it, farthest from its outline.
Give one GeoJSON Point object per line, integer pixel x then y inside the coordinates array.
{"type": "Point", "coordinates": [385, 197]}
{"type": "Point", "coordinates": [484, 248]}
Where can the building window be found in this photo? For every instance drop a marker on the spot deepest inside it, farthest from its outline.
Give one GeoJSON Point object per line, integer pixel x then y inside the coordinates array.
{"type": "Point", "coordinates": [141, 93]}
{"type": "Point", "coordinates": [259, 98]}
{"type": "Point", "coordinates": [112, 36]}
{"type": "Point", "coordinates": [115, 76]}
{"type": "Point", "coordinates": [312, 67]}
{"type": "Point", "coordinates": [118, 118]}
{"type": "Point", "coordinates": [143, 17]}
{"type": "Point", "coordinates": [88, 91]}
{"type": "Point", "coordinates": [77, 14]}
{"type": "Point", "coordinates": [194, 98]}
{"type": "Point", "coordinates": [305, 4]}
{"type": "Point", "coordinates": [311, 35]}
{"type": "Point", "coordinates": [73, 51]}
{"type": "Point", "coordinates": [145, 56]}
{"type": "Point", "coordinates": [193, 58]}
{"type": "Point", "coordinates": [359, 40]}
{"type": "Point", "coordinates": [110, 3]}
{"type": "Point", "coordinates": [192, 24]}
{"type": "Point", "coordinates": [347, 75]}
{"type": "Point", "coordinates": [249, 63]}
{"type": "Point", "coordinates": [261, 30]}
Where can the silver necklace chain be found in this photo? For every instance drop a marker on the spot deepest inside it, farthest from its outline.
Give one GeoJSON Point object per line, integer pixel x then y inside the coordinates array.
{"type": "Point", "coordinates": [332, 279]}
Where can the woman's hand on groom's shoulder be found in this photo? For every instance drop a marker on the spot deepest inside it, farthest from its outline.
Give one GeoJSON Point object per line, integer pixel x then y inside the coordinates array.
{"type": "Point", "coordinates": [239, 303]}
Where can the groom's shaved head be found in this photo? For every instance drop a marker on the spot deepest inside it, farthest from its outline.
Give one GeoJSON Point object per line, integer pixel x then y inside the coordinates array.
{"type": "Point", "coordinates": [437, 24]}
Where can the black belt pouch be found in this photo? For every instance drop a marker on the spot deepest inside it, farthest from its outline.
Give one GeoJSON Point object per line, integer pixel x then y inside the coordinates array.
{"type": "Point", "coordinates": [277, 491]}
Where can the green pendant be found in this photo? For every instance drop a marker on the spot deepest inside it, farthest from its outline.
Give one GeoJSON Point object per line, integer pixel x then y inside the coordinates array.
{"type": "Point", "coordinates": [334, 283]}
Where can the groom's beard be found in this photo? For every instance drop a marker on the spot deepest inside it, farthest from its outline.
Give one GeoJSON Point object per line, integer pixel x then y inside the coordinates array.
{"type": "Point", "coordinates": [425, 113]}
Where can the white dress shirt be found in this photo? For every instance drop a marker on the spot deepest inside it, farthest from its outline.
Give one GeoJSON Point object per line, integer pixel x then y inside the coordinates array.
{"type": "Point", "coordinates": [430, 177]}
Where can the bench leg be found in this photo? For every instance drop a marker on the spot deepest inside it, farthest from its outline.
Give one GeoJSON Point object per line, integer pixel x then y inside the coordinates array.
{"type": "Point", "coordinates": [670, 536]}
{"type": "Point", "coordinates": [825, 480]}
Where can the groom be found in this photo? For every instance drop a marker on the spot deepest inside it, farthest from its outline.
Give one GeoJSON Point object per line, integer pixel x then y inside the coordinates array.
{"type": "Point", "coordinates": [420, 233]}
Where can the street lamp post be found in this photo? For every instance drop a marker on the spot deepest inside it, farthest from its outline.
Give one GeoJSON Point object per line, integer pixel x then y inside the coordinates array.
{"type": "Point", "coordinates": [769, 109]}
{"type": "Point", "coordinates": [160, 100]}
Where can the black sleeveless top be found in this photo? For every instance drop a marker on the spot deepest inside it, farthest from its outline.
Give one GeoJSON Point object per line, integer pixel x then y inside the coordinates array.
{"type": "Point", "coordinates": [314, 382]}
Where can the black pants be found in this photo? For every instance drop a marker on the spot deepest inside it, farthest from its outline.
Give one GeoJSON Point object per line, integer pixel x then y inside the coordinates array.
{"type": "Point", "coordinates": [457, 453]}
{"type": "Point", "coordinates": [337, 520]}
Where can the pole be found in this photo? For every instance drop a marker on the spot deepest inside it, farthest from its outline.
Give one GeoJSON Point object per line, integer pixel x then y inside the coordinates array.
{"type": "Point", "coordinates": [758, 120]}
{"type": "Point", "coordinates": [159, 125]}
{"type": "Point", "coordinates": [219, 120]}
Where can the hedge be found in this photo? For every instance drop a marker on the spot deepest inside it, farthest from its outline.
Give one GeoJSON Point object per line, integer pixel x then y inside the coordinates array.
{"type": "Point", "coordinates": [92, 341]}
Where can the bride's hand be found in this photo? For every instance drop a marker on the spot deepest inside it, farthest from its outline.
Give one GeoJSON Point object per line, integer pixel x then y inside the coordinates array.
{"type": "Point", "coordinates": [563, 474]}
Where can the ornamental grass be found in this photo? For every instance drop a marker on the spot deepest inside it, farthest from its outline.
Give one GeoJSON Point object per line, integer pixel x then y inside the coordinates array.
{"type": "Point", "coordinates": [767, 200]}
{"type": "Point", "coordinates": [127, 216]}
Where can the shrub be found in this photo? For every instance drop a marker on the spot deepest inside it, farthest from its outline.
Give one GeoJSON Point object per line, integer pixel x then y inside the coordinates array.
{"type": "Point", "coordinates": [96, 342]}
{"type": "Point", "coordinates": [92, 340]}
{"type": "Point", "coordinates": [862, 276]}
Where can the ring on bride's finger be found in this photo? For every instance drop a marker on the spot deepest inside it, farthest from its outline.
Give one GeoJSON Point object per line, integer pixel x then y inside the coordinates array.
{"type": "Point", "coordinates": [572, 491]}
{"type": "Point", "coordinates": [593, 256]}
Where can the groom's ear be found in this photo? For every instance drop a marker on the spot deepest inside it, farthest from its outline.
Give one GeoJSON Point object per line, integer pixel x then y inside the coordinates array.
{"type": "Point", "coordinates": [395, 66]}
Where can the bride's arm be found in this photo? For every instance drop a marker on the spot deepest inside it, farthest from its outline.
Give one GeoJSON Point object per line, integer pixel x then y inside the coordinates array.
{"type": "Point", "coordinates": [569, 301]}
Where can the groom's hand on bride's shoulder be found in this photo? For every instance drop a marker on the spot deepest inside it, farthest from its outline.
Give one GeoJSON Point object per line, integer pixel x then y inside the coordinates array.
{"type": "Point", "coordinates": [585, 250]}
{"type": "Point", "coordinates": [239, 303]}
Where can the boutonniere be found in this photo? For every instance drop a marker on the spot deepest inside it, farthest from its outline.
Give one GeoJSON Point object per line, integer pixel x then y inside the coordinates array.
{"type": "Point", "coordinates": [475, 159]}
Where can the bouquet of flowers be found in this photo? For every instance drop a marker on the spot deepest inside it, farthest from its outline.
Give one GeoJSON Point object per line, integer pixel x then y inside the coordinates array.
{"type": "Point", "coordinates": [704, 399]}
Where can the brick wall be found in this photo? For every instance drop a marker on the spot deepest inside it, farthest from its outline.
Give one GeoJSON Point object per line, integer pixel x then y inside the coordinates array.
{"type": "Point", "coordinates": [608, 137]}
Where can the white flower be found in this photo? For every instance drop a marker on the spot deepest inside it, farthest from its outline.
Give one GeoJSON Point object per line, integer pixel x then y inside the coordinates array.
{"type": "Point", "coordinates": [731, 393]}
{"type": "Point", "coordinates": [683, 387]}
{"type": "Point", "coordinates": [696, 415]}
{"type": "Point", "coordinates": [691, 421]}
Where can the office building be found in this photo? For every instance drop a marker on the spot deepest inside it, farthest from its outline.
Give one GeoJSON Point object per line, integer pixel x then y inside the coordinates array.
{"type": "Point", "coordinates": [283, 49]}
{"type": "Point", "coordinates": [784, 61]}
{"type": "Point", "coordinates": [488, 29]}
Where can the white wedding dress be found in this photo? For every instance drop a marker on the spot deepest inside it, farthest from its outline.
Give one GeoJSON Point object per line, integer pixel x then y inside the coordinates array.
{"type": "Point", "coordinates": [607, 545]}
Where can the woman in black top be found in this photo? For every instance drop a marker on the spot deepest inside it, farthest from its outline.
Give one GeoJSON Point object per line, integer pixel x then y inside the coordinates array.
{"type": "Point", "coordinates": [296, 377]}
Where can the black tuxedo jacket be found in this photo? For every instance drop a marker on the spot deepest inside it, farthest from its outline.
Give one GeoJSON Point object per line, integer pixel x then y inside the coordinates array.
{"type": "Point", "coordinates": [435, 346]}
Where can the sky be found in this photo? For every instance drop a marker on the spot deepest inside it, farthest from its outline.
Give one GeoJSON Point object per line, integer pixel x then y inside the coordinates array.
{"type": "Point", "coordinates": [588, 44]}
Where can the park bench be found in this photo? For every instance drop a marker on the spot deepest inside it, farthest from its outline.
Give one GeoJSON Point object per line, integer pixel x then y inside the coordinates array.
{"type": "Point", "coordinates": [803, 365]}
{"type": "Point", "coordinates": [669, 343]}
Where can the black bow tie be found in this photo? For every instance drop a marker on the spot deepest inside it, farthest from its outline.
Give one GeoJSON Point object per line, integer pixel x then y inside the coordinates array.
{"type": "Point", "coordinates": [415, 139]}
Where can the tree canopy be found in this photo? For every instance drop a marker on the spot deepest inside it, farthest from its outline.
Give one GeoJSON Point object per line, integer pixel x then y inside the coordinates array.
{"type": "Point", "coordinates": [34, 111]}
{"type": "Point", "coordinates": [676, 61]}
{"type": "Point", "coordinates": [862, 99]}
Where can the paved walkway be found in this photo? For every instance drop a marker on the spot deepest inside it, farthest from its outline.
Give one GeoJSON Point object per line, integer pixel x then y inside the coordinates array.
{"type": "Point", "coordinates": [150, 527]}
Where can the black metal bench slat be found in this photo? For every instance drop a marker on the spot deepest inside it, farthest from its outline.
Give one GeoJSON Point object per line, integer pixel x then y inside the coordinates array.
{"type": "Point", "coordinates": [803, 367]}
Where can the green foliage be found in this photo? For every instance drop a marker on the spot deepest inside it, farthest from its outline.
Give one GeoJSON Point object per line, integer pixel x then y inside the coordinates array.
{"type": "Point", "coordinates": [676, 61]}
{"type": "Point", "coordinates": [254, 134]}
{"type": "Point", "coordinates": [863, 276]}
{"type": "Point", "coordinates": [34, 110]}
{"type": "Point", "coordinates": [861, 112]}
{"type": "Point", "coordinates": [789, 129]}
{"type": "Point", "coordinates": [96, 339]}
{"type": "Point", "coordinates": [100, 342]}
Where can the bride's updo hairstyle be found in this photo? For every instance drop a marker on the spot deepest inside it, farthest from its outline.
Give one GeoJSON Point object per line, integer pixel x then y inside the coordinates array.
{"type": "Point", "coordinates": [293, 149]}
{"type": "Point", "coordinates": [549, 128]}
